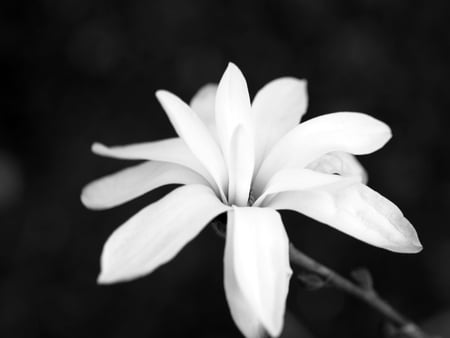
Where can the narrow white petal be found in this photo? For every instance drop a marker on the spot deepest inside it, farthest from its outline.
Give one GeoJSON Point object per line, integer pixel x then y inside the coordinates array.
{"type": "Point", "coordinates": [157, 233]}
{"type": "Point", "coordinates": [132, 182]}
{"type": "Point", "coordinates": [232, 106]}
{"type": "Point", "coordinates": [241, 164]}
{"type": "Point", "coordinates": [257, 270]}
{"type": "Point", "coordinates": [354, 133]}
{"type": "Point", "coordinates": [172, 150]}
{"type": "Point", "coordinates": [247, 319]}
{"type": "Point", "coordinates": [277, 108]}
{"type": "Point", "coordinates": [203, 103]}
{"type": "Point", "coordinates": [357, 211]}
{"type": "Point", "coordinates": [196, 136]}
{"type": "Point", "coordinates": [298, 179]}
{"type": "Point", "coordinates": [341, 163]}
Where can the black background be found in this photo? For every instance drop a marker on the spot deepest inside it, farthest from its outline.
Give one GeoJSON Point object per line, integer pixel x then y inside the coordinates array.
{"type": "Point", "coordinates": [78, 71]}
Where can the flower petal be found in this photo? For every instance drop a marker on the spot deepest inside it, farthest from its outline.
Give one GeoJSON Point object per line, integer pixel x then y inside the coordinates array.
{"type": "Point", "coordinates": [197, 137]}
{"type": "Point", "coordinates": [132, 182]}
{"type": "Point", "coordinates": [241, 164]}
{"type": "Point", "coordinates": [203, 103]}
{"type": "Point", "coordinates": [157, 233]}
{"type": "Point", "coordinates": [341, 163]}
{"type": "Point", "coordinates": [257, 270]}
{"type": "Point", "coordinates": [276, 109]}
{"type": "Point", "coordinates": [354, 133]}
{"type": "Point", "coordinates": [172, 150]}
{"type": "Point", "coordinates": [232, 106]}
{"type": "Point", "coordinates": [356, 210]}
{"type": "Point", "coordinates": [244, 315]}
{"type": "Point", "coordinates": [298, 179]}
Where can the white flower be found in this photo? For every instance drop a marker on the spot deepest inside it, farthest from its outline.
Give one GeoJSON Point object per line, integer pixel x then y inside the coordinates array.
{"type": "Point", "coordinates": [249, 160]}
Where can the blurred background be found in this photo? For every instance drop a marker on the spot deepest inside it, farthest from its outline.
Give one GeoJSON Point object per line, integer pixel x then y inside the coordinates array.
{"type": "Point", "coordinates": [79, 71]}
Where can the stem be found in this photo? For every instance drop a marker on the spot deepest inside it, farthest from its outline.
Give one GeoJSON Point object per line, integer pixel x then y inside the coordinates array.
{"type": "Point", "coordinates": [405, 326]}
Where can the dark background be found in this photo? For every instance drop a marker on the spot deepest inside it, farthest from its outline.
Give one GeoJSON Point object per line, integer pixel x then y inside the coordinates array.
{"type": "Point", "coordinates": [78, 71]}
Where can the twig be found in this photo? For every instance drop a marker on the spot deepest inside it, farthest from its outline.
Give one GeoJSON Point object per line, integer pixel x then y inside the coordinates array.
{"type": "Point", "coordinates": [405, 326]}
{"type": "Point", "coordinates": [320, 275]}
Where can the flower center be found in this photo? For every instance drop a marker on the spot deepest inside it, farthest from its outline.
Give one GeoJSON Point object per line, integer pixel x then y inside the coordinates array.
{"type": "Point", "coordinates": [251, 198]}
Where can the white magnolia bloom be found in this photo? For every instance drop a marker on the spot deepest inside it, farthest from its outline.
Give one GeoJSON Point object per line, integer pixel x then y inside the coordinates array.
{"type": "Point", "coordinates": [248, 160]}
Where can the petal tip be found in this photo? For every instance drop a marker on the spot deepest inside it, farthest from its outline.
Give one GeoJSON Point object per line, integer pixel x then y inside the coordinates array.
{"type": "Point", "coordinates": [301, 82]}
{"type": "Point", "coordinates": [84, 198]}
{"type": "Point", "coordinates": [88, 200]}
{"type": "Point", "coordinates": [415, 246]}
{"type": "Point", "coordinates": [161, 94]}
{"type": "Point", "coordinates": [98, 148]}
{"type": "Point", "coordinates": [418, 248]}
{"type": "Point", "coordinates": [416, 243]}
{"type": "Point", "coordinates": [111, 276]}
{"type": "Point", "coordinates": [169, 101]}
{"type": "Point", "coordinates": [412, 245]}
{"type": "Point", "coordinates": [385, 129]}
{"type": "Point", "coordinates": [102, 279]}
{"type": "Point", "coordinates": [410, 235]}
{"type": "Point", "coordinates": [410, 248]}
{"type": "Point", "coordinates": [388, 133]}
{"type": "Point", "coordinates": [232, 68]}
{"type": "Point", "coordinates": [232, 65]}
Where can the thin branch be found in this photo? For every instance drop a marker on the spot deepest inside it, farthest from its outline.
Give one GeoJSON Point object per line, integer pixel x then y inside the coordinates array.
{"type": "Point", "coordinates": [405, 326]}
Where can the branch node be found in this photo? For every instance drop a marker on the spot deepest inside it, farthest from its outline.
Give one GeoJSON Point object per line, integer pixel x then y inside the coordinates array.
{"type": "Point", "coordinates": [312, 281]}
{"type": "Point", "coordinates": [364, 278]}
{"type": "Point", "coordinates": [362, 289]}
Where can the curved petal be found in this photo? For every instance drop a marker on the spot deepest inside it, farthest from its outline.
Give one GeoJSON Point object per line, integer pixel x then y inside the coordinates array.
{"type": "Point", "coordinates": [257, 270]}
{"type": "Point", "coordinates": [241, 164]}
{"type": "Point", "coordinates": [232, 106]}
{"type": "Point", "coordinates": [277, 108]}
{"type": "Point", "coordinates": [197, 137]}
{"type": "Point", "coordinates": [203, 103]}
{"type": "Point", "coordinates": [242, 312]}
{"type": "Point", "coordinates": [157, 233]}
{"type": "Point", "coordinates": [354, 133]}
{"type": "Point", "coordinates": [341, 163]}
{"type": "Point", "coordinates": [298, 179]}
{"type": "Point", "coordinates": [172, 150]}
{"type": "Point", "coordinates": [132, 182]}
{"type": "Point", "coordinates": [357, 211]}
